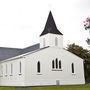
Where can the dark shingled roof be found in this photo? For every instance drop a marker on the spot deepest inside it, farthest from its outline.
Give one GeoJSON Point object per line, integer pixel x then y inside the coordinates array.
{"type": "Point", "coordinates": [50, 26]}
{"type": "Point", "coordinates": [6, 53]}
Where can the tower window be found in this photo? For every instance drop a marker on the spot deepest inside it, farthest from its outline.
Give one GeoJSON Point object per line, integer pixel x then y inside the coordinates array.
{"type": "Point", "coordinates": [43, 42]}
{"type": "Point", "coordinates": [72, 67]}
{"type": "Point", "coordinates": [38, 67]}
{"type": "Point", "coordinates": [56, 41]}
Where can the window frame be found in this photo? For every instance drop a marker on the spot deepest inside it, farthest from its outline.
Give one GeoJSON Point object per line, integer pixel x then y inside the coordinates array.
{"type": "Point", "coordinates": [56, 65]}
{"type": "Point", "coordinates": [11, 69]}
{"type": "Point", "coordinates": [6, 72]}
{"type": "Point", "coordinates": [1, 71]}
{"type": "Point", "coordinates": [20, 68]}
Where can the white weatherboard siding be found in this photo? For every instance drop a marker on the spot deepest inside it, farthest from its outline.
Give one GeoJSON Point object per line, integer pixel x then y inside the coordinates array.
{"type": "Point", "coordinates": [13, 79]}
{"type": "Point", "coordinates": [50, 40]}
{"type": "Point", "coordinates": [48, 76]}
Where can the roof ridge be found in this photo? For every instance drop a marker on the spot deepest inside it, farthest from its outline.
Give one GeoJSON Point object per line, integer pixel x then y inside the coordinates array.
{"type": "Point", "coordinates": [31, 46]}
{"type": "Point", "coordinates": [10, 48]}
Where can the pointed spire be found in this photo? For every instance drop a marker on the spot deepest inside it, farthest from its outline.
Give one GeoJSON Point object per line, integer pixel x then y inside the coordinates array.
{"type": "Point", "coordinates": [50, 26]}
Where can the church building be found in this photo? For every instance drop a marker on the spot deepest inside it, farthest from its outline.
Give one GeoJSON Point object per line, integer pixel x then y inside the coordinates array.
{"type": "Point", "coordinates": [45, 63]}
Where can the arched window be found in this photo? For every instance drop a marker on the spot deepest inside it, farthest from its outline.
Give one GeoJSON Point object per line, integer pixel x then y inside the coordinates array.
{"type": "Point", "coordinates": [56, 41]}
{"type": "Point", "coordinates": [38, 67]}
{"type": "Point", "coordinates": [11, 68]}
{"type": "Point", "coordinates": [43, 42]}
{"type": "Point", "coordinates": [1, 70]}
{"type": "Point", "coordinates": [20, 67]}
{"type": "Point", "coordinates": [6, 69]}
{"type": "Point", "coordinates": [56, 63]}
{"type": "Point", "coordinates": [53, 64]}
{"type": "Point", "coordinates": [72, 67]}
{"type": "Point", "coordinates": [59, 64]}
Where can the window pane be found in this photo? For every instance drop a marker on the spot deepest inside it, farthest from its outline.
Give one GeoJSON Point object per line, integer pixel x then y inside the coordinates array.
{"type": "Point", "coordinates": [38, 67]}
{"type": "Point", "coordinates": [6, 69]}
{"type": "Point", "coordinates": [2, 70]}
{"type": "Point", "coordinates": [53, 64]}
{"type": "Point", "coordinates": [59, 64]}
{"type": "Point", "coordinates": [20, 67]}
{"type": "Point", "coordinates": [56, 63]}
{"type": "Point", "coordinates": [11, 69]}
{"type": "Point", "coordinates": [72, 68]}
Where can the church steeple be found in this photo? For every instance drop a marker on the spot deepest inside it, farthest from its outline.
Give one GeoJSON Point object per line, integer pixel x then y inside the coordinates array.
{"type": "Point", "coordinates": [50, 26]}
{"type": "Point", "coordinates": [51, 36]}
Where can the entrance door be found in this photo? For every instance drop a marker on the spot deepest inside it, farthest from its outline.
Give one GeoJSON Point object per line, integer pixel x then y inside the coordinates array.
{"type": "Point", "coordinates": [57, 82]}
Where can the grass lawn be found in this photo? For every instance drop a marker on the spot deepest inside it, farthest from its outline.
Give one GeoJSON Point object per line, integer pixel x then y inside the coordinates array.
{"type": "Point", "coordinates": [76, 87]}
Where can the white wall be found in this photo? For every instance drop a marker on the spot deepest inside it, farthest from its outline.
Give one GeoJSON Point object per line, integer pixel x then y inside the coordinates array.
{"type": "Point", "coordinates": [14, 79]}
{"type": "Point", "coordinates": [50, 40]}
{"type": "Point", "coordinates": [48, 76]}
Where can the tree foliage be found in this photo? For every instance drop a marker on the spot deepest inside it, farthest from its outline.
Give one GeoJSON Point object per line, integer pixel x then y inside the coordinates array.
{"type": "Point", "coordinates": [84, 54]}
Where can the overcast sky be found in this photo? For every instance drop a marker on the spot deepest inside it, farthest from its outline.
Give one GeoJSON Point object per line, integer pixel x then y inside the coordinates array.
{"type": "Point", "coordinates": [22, 21]}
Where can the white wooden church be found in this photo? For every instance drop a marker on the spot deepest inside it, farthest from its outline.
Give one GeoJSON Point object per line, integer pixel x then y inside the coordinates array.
{"type": "Point", "coordinates": [45, 63]}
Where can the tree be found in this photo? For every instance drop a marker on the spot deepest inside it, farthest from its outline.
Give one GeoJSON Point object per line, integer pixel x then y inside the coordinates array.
{"type": "Point", "coordinates": [87, 27]}
{"type": "Point", "coordinates": [84, 54]}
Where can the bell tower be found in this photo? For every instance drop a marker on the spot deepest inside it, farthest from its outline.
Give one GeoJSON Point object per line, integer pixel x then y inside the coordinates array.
{"type": "Point", "coordinates": [51, 36]}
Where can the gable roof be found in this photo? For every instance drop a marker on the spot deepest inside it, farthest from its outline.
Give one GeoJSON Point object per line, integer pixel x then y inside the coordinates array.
{"type": "Point", "coordinates": [6, 53]}
{"type": "Point", "coordinates": [30, 48]}
{"type": "Point", "coordinates": [50, 26]}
